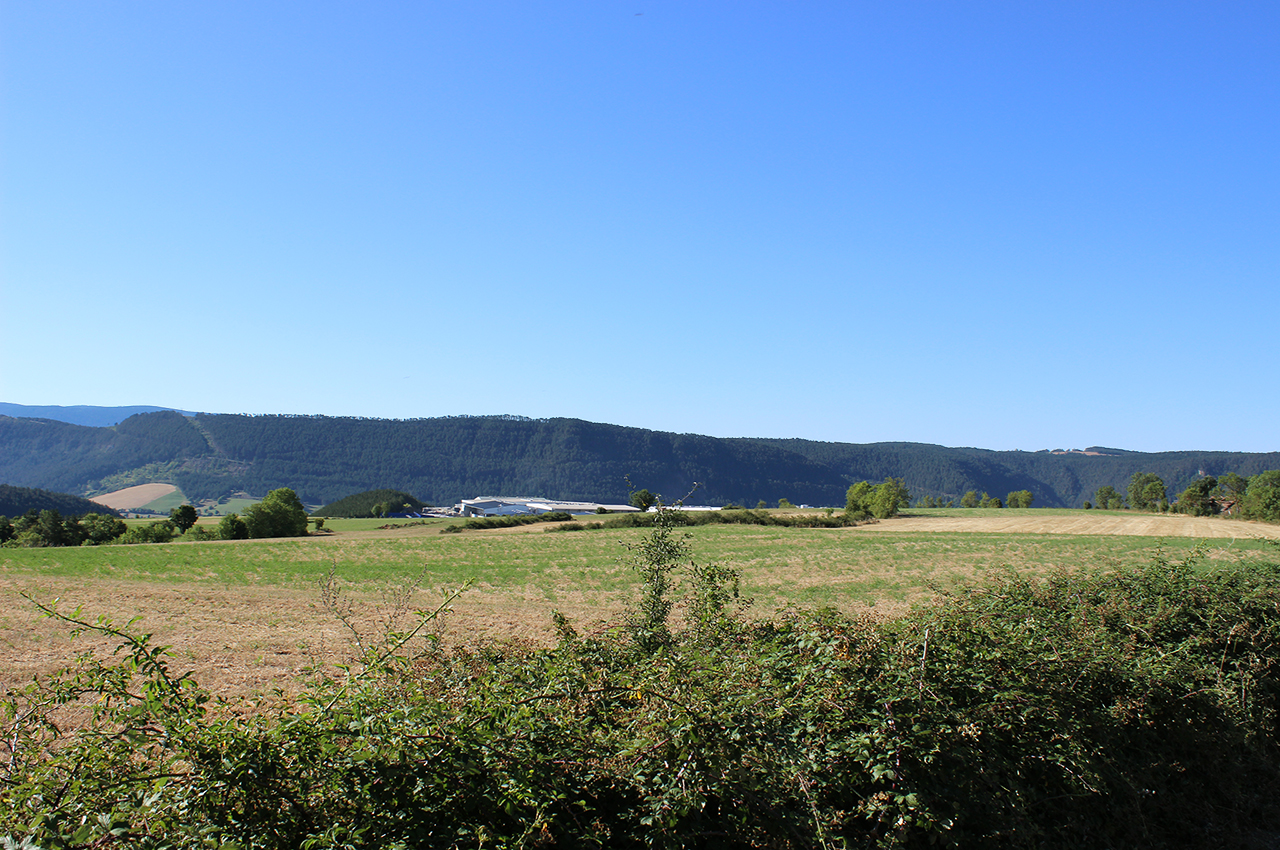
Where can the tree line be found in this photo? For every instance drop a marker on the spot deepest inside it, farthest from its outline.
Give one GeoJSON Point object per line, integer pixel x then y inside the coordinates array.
{"type": "Point", "coordinates": [280, 514]}
{"type": "Point", "coordinates": [971, 499]}
{"type": "Point", "coordinates": [1254, 497]}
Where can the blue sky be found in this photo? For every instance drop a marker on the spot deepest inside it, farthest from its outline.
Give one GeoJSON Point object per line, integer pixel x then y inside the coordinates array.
{"type": "Point", "coordinates": [1005, 225]}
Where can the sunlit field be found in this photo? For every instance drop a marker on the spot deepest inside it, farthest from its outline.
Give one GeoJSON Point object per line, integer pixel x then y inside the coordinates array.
{"type": "Point", "coordinates": [248, 614]}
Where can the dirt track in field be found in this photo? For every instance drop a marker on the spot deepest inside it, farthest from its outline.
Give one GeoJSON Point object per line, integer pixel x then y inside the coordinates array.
{"type": "Point", "coordinates": [1142, 525]}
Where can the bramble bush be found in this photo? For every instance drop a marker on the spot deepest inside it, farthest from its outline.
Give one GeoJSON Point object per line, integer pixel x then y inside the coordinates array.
{"type": "Point", "coordinates": [1127, 709]}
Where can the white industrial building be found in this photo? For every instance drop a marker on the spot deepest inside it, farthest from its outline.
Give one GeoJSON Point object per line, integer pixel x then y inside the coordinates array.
{"type": "Point", "coordinates": [512, 506]}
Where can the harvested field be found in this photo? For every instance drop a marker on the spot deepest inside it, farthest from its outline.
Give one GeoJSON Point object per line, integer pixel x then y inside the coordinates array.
{"type": "Point", "coordinates": [246, 617]}
{"type": "Point", "coordinates": [131, 498]}
{"type": "Point", "coordinates": [243, 641]}
{"type": "Point", "coordinates": [1144, 525]}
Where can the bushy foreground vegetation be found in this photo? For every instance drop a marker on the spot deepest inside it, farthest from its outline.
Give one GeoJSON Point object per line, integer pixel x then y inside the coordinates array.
{"type": "Point", "coordinates": [1124, 709]}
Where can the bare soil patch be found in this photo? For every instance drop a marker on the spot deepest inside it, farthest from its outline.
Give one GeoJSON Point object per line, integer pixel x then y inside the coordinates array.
{"type": "Point", "coordinates": [1144, 525]}
{"type": "Point", "coordinates": [131, 498]}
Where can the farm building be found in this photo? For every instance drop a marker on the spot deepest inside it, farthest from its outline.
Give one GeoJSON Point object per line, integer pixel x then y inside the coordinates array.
{"type": "Point", "coordinates": [511, 506]}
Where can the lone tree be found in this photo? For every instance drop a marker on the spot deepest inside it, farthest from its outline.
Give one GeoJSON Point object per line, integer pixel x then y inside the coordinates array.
{"type": "Point", "coordinates": [1197, 499]}
{"type": "Point", "coordinates": [232, 527]}
{"type": "Point", "coordinates": [1108, 499]}
{"type": "Point", "coordinates": [881, 501]}
{"type": "Point", "coordinates": [857, 500]}
{"type": "Point", "coordinates": [1018, 499]}
{"type": "Point", "coordinates": [280, 514]}
{"type": "Point", "coordinates": [183, 516]}
{"type": "Point", "coordinates": [643, 499]}
{"type": "Point", "coordinates": [1262, 500]}
{"type": "Point", "coordinates": [1146, 491]}
{"type": "Point", "coordinates": [888, 497]}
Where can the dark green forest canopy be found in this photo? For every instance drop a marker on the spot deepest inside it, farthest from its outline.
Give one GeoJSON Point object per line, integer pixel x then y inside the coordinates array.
{"type": "Point", "coordinates": [16, 501]}
{"type": "Point", "coordinates": [363, 504]}
{"type": "Point", "coordinates": [442, 460]}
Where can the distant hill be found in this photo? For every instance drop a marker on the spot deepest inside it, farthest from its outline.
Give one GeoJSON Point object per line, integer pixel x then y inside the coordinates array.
{"type": "Point", "coordinates": [16, 501]}
{"type": "Point", "coordinates": [443, 460]}
{"type": "Point", "coordinates": [81, 414]}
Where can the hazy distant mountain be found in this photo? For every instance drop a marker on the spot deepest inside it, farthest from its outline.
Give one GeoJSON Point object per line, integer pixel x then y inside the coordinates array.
{"type": "Point", "coordinates": [80, 414]}
{"type": "Point", "coordinates": [445, 459]}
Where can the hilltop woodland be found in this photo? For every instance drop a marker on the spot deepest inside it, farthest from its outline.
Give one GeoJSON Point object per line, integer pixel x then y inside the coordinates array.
{"type": "Point", "coordinates": [1128, 709]}
{"type": "Point", "coordinates": [372, 503]}
{"type": "Point", "coordinates": [443, 460]}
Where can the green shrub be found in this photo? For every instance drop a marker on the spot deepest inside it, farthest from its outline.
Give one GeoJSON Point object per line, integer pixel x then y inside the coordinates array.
{"type": "Point", "coordinates": [279, 514]}
{"type": "Point", "coordinates": [492, 522]}
{"type": "Point", "coordinates": [153, 532]}
{"type": "Point", "coordinates": [1123, 710]}
{"type": "Point", "coordinates": [232, 527]}
{"type": "Point", "coordinates": [732, 517]}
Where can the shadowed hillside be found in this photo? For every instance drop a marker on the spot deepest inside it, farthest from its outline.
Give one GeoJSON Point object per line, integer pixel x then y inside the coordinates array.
{"type": "Point", "coordinates": [445, 459]}
{"type": "Point", "coordinates": [16, 501]}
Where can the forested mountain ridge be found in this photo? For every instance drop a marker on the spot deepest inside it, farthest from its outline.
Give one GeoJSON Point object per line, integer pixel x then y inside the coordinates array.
{"type": "Point", "coordinates": [445, 459]}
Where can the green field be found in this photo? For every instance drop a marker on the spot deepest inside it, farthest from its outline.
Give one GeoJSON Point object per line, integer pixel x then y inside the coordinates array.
{"type": "Point", "coordinates": [780, 566]}
{"type": "Point", "coordinates": [164, 504]}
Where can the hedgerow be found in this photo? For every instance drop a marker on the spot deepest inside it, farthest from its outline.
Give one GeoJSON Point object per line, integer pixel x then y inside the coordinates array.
{"type": "Point", "coordinates": [1133, 709]}
{"type": "Point", "coordinates": [491, 522]}
{"type": "Point", "coordinates": [740, 516]}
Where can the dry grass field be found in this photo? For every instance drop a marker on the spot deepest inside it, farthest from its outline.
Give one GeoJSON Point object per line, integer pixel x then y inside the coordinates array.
{"type": "Point", "coordinates": [1079, 522]}
{"type": "Point", "coordinates": [256, 630]}
{"type": "Point", "coordinates": [132, 498]}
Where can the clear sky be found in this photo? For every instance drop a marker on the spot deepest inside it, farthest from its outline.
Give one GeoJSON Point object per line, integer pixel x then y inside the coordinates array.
{"type": "Point", "coordinates": [1007, 225]}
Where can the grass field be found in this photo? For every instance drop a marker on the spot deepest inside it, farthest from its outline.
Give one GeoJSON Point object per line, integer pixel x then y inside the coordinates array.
{"type": "Point", "coordinates": [166, 503]}
{"type": "Point", "coordinates": [246, 614]}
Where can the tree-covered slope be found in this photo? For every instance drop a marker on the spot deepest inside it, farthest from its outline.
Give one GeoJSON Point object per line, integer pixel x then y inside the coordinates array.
{"type": "Point", "coordinates": [79, 459]}
{"type": "Point", "coordinates": [443, 460]}
{"type": "Point", "coordinates": [446, 459]}
{"type": "Point", "coordinates": [1056, 479]}
{"type": "Point", "coordinates": [16, 501]}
